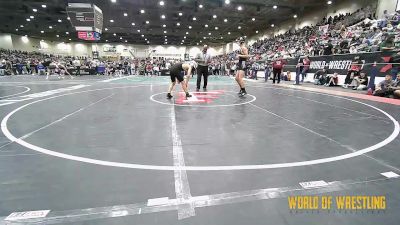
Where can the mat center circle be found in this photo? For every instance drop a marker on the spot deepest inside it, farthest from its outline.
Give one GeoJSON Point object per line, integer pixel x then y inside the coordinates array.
{"type": "Point", "coordinates": [212, 98]}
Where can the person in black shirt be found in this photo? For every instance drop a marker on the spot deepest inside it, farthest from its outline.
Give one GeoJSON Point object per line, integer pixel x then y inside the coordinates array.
{"type": "Point", "coordinates": [361, 82]}
{"type": "Point", "coordinates": [320, 77]}
{"type": "Point", "coordinates": [177, 73]}
{"type": "Point", "coordinates": [328, 48]}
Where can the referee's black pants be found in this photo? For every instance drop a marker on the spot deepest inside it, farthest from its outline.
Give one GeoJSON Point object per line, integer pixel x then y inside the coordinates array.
{"type": "Point", "coordinates": [202, 71]}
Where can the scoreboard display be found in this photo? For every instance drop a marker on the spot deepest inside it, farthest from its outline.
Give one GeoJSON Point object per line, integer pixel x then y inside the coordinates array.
{"type": "Point", "coordinates": [85, 17]}
{"type": "Point", "coordinates": [89, 35]}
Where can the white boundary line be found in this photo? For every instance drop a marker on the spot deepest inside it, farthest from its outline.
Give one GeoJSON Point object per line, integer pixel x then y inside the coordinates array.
{"type": "Point", "coordinates": [182, 188]}
{"type": "Point", "coordinates": [117, 78]}
{"type": "Point", "coordinates": [20, 93]}
{"type": "Point", "coordinates": [76, 216]}
{"type": "Point", "coordinates": [10, 136]}
{"type": "Point", "coordinates": [202, 106]}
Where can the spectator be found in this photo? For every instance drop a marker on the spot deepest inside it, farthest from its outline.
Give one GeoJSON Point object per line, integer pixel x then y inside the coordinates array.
{"type": "Point", "coordinates": [384, 88]}
{"type": "Point", "coordinates": [320, 77]}
{"type": "Point", "coordinates": [396, 87]}
{"type": "Point", "coordinates": [267, 71]}
{"type": "Point", "coordinates": [328, 48]}
{"type": "Point", "coordinates": [277, 67]}
{"type": "Point", "coordinates": [361, 83]}
{"type": "Point", "coordinates": [388, 43]}
{"type": "Point", "coordinates": [306, 67]}
{"type": "Point", "coordinates": [332, 80]}
{"type": "Point", "coordinates": [353, 72]}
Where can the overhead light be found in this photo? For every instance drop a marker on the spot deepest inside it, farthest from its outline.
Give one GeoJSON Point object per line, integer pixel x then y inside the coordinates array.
{"type": "Point", "coordinates": [180, 14]}
{"type": "Point", "coordinates": [164, 25]}
{"type": "Point", "coordinates": [42, 31]}
{"type": "Point", "coordinates": [225, 20]}
{"type": "Point", "coordinates": [190, 27]}
{"type": "Point", "coordinates": [138, 31]}
{"type": "Point", "coordinates": [106, 29]}
{"type": "Point", "coordinates": [142, 35]}
{"type": "Point", "coordinates": [272, 25]}
{"type": "Point", "coordinates": [35, 10]}
{"type": "Point", "coordinates": [57, 35]}
{"type": "Point", "coordinates": [68, 18]}
{"type": "Point", "coordinates": [142, 11]}
{"type": "Point", "coordinates": [253, 19]}
{"type": "Point", "coordinates": [113, 1]}
{"type": "Point", "coordinates": [187, 32]}
{"type": "Point", "coordinates": [329, 2]}
{"type": "Point", "coordinates": [227, 2]}
{"type": "Point", "coordinates": [28, 19]}
{"type": "Point", "coordinates": [275, 7]}
{"type": "Point", "coordinates": [206, 25]}
{"type": "Point", "coordinates": [294, 16]}
{"type": "Point", "coordinates": [200, 6]}
{"type": "Point", "coordinates": [162, 16]}
{"type": "Point", "coordinates": [204, 37]}
{"type": "Point", "coordinates": [70, 39]}
{"type": "Point", "coordinates": [133, 24]}
{"type": "Point", "coordinates": [178, 24]}
{"type": "Point", "coordinates": [229, 32]}
{"type": "Point", "coordinates": [165, 31]}
{"type": "Point", "coordinates": [165, 36]}
{"type": "Point", "coordinates": [197, 43]}
{"type": "Point", "coordinates": [216, 28]}
{"type": "Point", "coordinates": [106, 40]}
{"type": "Point", "coordinates": [32, 17]}
{"type": "Point", "coordinates": [50, 27]}
{"type": "Point", "coordinates": [209, 33]}
{"type": "Point", "coordinates": [111, 21]}
{"type": "Point", "coordinates": [145, 39]}
{"type": "Point", "coordinates": [67, 32]}
{"type": "Point", "coordinates": [165, 42]}
{"type": "Point", "coordinates": [21, 26]}
{"type": "Point", "coordinates": [147, 22]}
{"type": "Point", "coordinates": [239, 27]}
{"type": "Point", "coordinates": [162, 3]}
{"type": "Point", "coordinates": [126, 41]}
{"type": "Point", "coordinates": [256, 31]}
{"type": "Point", "coordinates": [148, 42]}
{"type": "Point", "coordinates": [114, 34]}
{"type": "Point", "coordinates": [194, 18]}
{"type": "Point", "coordinates": [44, 6]}
{"type": "Point", "coordinates": [120, 38]}
{"type": "Point", "coordinates": [239, 8]}
{"type": "Point", "coordinates": [125, 14]}
{"type": "Point", "coordinates": [222, 37]}
{"type": "Point", "coordinates": [59, 20]}
{"type": "Point", "coordinates": [214, 16]}
{"type": "Point", "coordinates": [16, 29]}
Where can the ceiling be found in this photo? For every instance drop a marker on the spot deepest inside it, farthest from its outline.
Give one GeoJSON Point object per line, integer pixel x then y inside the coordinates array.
{"type": "Point", "coordinates": [53, 21]}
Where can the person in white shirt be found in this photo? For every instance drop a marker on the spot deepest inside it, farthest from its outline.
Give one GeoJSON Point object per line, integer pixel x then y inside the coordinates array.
{"type": "Point", "coordinates": [77, 64]}
{"type": "Point", "coordinates": [203, 59]}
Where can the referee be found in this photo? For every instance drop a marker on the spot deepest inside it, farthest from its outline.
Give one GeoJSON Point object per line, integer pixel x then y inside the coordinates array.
{"type": "Point", "coordinates": [202, 59]}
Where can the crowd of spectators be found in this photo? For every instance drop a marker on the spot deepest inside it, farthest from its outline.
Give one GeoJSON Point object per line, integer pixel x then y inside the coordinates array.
{"type": "Point", "coordinates": [14, 62]}
{"type": "Point", "coordinates": [351, 33]}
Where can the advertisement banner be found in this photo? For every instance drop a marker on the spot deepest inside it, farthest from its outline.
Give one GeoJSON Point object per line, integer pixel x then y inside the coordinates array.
{"type": "Point", "coordinates": [341, 63]}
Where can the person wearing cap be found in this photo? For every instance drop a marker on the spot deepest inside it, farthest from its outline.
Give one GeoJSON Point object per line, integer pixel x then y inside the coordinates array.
{"type": "Point", "coordinates": [203, 60]}
{"type": "Point", "coordinates": [177, 72]}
